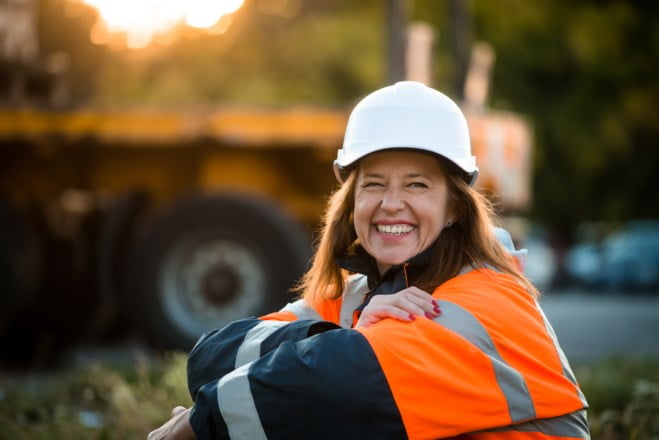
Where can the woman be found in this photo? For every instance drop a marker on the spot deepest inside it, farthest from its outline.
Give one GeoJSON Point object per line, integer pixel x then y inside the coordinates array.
{"type": "Point", "coordinates": [414, 322]}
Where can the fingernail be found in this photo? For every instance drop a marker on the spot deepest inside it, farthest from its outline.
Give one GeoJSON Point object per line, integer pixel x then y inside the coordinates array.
{"type": "Point", "coordinates": [434, 303]}
{"type": "Point", "coordinates": [429, 316]}
{"type": "Point", "coordinates": [412, 317]}
{"type": "Point", "coordinates": [436, 310]}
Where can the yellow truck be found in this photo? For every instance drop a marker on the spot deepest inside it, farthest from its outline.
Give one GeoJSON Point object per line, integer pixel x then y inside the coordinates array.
{"type": "Point", "coordinates": [169, 223]}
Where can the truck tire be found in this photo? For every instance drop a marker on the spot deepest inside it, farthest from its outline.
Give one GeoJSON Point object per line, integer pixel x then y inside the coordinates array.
{"type": "Point", "coordinates": [117, 231]}
{"type": "Point", "coordinates": [21, 255]}
{"type": "Point", "coordinates": [212, 259]}
{"type": "Point", "coordinates": [20, 262]}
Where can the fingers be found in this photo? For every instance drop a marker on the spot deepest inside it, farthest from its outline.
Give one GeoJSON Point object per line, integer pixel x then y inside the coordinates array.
{"type": "Point", "coordinates": [177, 410]}
{"type": "Point", "coordinates": [401, 310]}
{"type": "Point", "coordinates": [405, 305]}
{"type": "Point", "coordinates": [417, 302]}
{"type": "Point", "coordinates": [176, 428]}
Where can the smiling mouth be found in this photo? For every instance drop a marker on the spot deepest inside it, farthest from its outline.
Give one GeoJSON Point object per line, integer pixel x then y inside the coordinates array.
{"type": "Point", "coordinates": [395, 229]}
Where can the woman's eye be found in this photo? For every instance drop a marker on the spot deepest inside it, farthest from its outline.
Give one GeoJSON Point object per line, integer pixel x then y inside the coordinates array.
{"type": "Point", "coordinates": [371, 184]}
{"type": "Point", "coordinates": [418, 185]}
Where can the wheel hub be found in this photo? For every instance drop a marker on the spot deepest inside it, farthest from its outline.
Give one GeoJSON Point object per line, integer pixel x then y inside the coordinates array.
{"type": "Point", "coordinates": [220, 285]}
{"type": "Point", "coordinates": [206, 282]}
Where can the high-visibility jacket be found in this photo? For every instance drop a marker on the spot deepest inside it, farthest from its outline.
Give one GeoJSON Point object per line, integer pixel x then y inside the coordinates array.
{"type": "Point", "coordinates": [489, 367]}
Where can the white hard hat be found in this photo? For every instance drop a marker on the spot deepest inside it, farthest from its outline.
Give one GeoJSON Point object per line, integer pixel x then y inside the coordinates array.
{"type": "Point", "coordinates": [410, 115]}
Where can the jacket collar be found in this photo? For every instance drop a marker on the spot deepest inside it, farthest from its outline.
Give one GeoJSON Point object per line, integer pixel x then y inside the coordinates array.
{"type": "Point", "coordinates": [395, 279]}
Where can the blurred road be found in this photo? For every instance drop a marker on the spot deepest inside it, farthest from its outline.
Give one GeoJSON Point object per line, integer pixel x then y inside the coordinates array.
{"type": "Point", "coordinates": [591, 326]}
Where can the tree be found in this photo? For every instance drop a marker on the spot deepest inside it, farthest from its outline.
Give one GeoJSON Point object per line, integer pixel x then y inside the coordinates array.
{"type": "Point", "coordinates": [584, 73]}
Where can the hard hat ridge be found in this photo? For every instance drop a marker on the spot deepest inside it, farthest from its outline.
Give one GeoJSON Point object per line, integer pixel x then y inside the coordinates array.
{"type": "Point", "coordinates": [407, 115]}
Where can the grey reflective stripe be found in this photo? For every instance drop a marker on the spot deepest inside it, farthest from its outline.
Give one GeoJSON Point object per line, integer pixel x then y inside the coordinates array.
{"type": "Point", "coordinates": [511, 382]}
{"type": "Point", "coordinates": [250, 349]}
{"type": "Point", "coordinates": [573, 425]}
{"type": "Point", "coordinates": [565, 364]}
{"type": "Point", "coordinates": [353, 296]}
{"type": "Point", "coordinates": [237, 407]}
{"type": "Point", "coordinates": [302, 310]}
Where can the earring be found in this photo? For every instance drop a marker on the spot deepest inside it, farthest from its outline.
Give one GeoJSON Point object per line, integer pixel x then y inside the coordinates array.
{"type": "Point", "coordinates": [448, 224]}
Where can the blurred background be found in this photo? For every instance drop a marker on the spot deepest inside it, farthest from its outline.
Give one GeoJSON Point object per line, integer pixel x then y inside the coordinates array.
{"type": "Point", "coordinates": [164, 164]}
{"type": "Point", "coordinates": [159, 158]}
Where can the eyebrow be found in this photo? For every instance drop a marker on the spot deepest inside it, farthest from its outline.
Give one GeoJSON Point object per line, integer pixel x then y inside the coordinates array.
{"type": "Point", "coordinates": [407, 176]}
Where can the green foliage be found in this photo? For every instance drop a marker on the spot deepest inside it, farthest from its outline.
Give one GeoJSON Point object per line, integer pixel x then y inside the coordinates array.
{"type": "Point", "coordinates": [623, 397]}
{"type": "Point", "coordinates": [103, 402]}
{"type": "Point", "coordinates": [584, 73]}
{"type": "Point", "coordinates": [95, 402]}
{"type": "Point", "coordinates": [320, 53]}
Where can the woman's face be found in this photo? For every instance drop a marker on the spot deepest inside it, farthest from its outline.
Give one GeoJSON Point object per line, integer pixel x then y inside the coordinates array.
{"type": "Point", "coordinates": [400, 205]}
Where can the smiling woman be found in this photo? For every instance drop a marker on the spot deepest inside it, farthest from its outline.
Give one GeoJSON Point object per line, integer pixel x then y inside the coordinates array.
{"type": "Point", "coordinates": [141, 21]}
{"type": "Point", "coordinates": [415, 321]}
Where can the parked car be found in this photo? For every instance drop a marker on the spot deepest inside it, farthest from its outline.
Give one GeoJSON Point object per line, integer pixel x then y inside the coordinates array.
{"type": "Point", "coordinates": [631, 256]}
{"type": "Point", "coordinates": [583, 264]}
{"type": "Point", "coordinates": [627, 258]}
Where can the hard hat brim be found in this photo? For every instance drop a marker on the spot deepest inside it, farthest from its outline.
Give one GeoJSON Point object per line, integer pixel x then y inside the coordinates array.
{"type": "Point", "coordinates": [344, 163]}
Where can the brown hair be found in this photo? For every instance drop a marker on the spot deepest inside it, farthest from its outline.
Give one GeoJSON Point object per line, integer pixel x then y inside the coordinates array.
{"type": "Point", "coordinates": [468, 241]}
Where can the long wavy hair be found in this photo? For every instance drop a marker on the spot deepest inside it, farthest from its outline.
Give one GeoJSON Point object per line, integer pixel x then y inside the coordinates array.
{"type": "Point", "coordinates": [468, 241]}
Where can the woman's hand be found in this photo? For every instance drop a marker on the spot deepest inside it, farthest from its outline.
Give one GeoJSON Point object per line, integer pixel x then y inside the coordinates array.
{"type": "Point", "coordinates": [404, 306]}
{"type": "Point", "coordinates": [176, 428]}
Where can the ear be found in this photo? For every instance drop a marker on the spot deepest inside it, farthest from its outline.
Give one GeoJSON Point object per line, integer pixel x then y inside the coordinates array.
{"type": "Point", "coordinates": [451, 218]}
{"type": "Point", "coordinates": [450, 210]}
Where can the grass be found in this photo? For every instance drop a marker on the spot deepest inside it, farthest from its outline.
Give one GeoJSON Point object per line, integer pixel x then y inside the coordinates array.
{"type": "Point", "coordinates": [623, 397]}
{"type": "Point", "coordinates": [102, 402]}
{"type": "Point", "coordinates": [95, 402]}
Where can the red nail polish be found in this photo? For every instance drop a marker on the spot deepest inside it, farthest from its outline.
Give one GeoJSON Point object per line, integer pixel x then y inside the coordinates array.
{"type": "Point", "coordinates": [434, 303]}
{"type": "Point", "coordinates": [412, 317]}
{"type": "Point", "coordinates": [436, 310]}
{"type": "Point", "coordinates": [429, 316]}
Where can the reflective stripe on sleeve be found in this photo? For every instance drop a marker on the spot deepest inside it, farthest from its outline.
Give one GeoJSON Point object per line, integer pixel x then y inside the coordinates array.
{"type": "Point", "coordinates": [250, 349]}
{"type": "Point", "coordinates": [237, 406]}
{"type": "Point", "coordinates": [510, 381]}
{"type": "Point", "coordinates": [302, 310]}
{"type": "Point", "coordinates": [567, 371]}
{"type": "Point", "coordinates": [353, 296]}
{"type": "Point", "coordinates": [573, 425]}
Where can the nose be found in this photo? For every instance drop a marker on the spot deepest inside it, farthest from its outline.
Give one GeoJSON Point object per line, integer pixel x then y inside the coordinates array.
{"type": "Point", "coordinates": [392, 200]}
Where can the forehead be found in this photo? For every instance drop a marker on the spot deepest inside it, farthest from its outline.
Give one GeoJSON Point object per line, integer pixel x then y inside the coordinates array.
{"type": "Point", "coordinates": [401, 161]}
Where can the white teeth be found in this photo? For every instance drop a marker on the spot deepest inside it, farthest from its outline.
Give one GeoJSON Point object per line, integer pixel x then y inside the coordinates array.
{"type": "Point", "coordinates": [394, 229]}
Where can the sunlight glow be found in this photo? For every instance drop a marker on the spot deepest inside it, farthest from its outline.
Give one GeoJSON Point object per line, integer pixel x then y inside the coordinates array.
{"type": "Point", "coordinates": [142, 20]}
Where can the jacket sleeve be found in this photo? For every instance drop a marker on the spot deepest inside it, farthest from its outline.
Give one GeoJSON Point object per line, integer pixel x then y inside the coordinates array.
{"type": "Point", "coordinates": [324, 310]}
{"type": "Point", "coordinates": [218, 352]}
{"type": "Point", "coordinates": [426, 379]}
{"type": "Point", "coordinates": [326, 386]}
{"type": "Point", "coordinates": [336, 385]}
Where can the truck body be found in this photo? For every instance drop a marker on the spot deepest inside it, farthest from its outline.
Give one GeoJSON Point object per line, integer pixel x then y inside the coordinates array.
{"type": "Point", "coordinates": [170, 223]}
